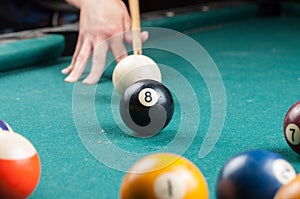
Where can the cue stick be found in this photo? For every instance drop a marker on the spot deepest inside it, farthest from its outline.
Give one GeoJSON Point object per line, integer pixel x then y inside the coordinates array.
{"type": "Point", "coordinates": [135, 26]}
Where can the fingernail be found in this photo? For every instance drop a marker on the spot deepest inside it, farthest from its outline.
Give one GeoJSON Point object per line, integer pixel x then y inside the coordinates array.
{"type": "Point", "coordinates": [69, 79]}
{"type": "Point", "coordinates": [64, 71]}
{"type": "Point", "coordinates": [88, 81]}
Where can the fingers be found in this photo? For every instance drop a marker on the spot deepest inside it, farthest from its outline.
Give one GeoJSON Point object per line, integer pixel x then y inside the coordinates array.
{"type": "Point", "coordinates": [67, 70]}
{"type": "Point", "coordinates": [96, 27]}
{"type": "Point", "coordinates": [117, 47]}
{"type": "Point", "coordinates": [126, 22]}
{"type": "Point", "coordinates": [117, 41]}
{"type": "Point", "coordinates": [98, 63]}
{"type": "Point", "coordinates": [77, 49]}
{"type": "Point", "coordinates": [80, 62]}
{"type": "Point", "coordinates": [144, 36]}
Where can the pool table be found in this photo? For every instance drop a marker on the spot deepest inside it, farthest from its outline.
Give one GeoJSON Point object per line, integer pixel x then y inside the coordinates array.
{"type": "Point", "coordinates": [233, 75]}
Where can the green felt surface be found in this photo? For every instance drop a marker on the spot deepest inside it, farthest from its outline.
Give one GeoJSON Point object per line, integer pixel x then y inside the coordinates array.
{"type": "Point", "coordinates": [26, 52]}
{"type": "Point", "coordinates": [258, 59]}
{"type": "Point", "coordinates": [195, 19]}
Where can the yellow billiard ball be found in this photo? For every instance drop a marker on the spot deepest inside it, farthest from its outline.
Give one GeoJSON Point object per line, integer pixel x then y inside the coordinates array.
{"type": "Point", "coordinates": [164, 176]}
{"type": "Point", "coordinates": [290, 190]}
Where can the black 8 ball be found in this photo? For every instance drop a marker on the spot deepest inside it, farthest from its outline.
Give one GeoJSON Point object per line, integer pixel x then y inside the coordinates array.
{"type": "Point", "coordinates": [146, 107]}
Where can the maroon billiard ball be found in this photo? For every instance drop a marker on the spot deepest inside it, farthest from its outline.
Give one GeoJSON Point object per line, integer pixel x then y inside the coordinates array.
{"type": "Point", "coordinates": [291, 127]}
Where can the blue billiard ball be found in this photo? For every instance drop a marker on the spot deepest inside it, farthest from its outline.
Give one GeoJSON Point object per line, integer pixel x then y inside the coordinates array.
{"type": "Point", "coordinates": [146, 107]}
{"type": "Point", "coordinates": [4, 126]}
{"type": "Point", "coordinates": [255, 174]}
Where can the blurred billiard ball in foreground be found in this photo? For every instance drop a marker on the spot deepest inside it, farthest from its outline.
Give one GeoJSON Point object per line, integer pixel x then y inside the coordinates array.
{"type": "Point", "coordinates": [290, 190]}
{"type": "Point", "coordinates": [20, 167]}
{"type": "Point", "coordinates": [164, 176]}
{"type": "Point", "coordinates": [253, 174]}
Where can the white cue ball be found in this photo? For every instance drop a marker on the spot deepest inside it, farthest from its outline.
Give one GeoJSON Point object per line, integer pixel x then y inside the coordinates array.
{"type": "Point", "coordinates": [134, 68]}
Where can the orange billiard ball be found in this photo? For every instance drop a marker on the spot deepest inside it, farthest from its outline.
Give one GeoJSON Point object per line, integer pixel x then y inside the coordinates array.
{"type": "Point", "coordinates": [19, 166]}
{"type": "Point", "coordinates": [164, 176]}
{"type": "Point", "coordinates": [290, 190]}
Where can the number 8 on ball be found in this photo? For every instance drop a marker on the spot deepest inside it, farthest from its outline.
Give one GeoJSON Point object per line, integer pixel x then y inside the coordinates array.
{"type": "Point", "coordinates": [148, 97]}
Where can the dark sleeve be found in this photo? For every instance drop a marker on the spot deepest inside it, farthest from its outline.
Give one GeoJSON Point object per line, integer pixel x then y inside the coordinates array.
{"type": "Point", "coordinates": [55, 5]}
{"type": "Point", "coordinates": [17, 15]}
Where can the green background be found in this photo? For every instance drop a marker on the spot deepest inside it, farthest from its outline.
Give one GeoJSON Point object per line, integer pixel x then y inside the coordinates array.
{"type": "Point", "coordinates": [258, 59]}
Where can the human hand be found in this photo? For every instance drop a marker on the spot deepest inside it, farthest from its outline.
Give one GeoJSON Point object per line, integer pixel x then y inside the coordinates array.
{"type": "Point", "coordinates": [103, 26]}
